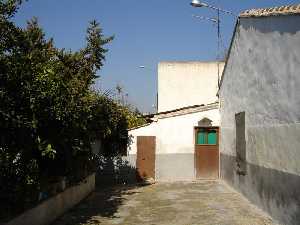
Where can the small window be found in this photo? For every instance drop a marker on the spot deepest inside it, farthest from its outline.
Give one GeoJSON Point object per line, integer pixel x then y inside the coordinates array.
{"type": "Point", "coordinates": [206, 137]}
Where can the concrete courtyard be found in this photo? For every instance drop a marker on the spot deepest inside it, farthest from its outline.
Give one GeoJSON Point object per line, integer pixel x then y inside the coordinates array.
{"type": "Point", "coordinates": [182, 203]}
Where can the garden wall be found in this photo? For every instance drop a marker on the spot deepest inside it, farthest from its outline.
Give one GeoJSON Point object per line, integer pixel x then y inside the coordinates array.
{"type": "Point", "coordinates": [49, 210]}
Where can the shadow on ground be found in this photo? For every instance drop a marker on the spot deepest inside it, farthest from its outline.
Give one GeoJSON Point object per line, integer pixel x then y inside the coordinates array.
{"type": "Point", "coordinates": [111, 171]}
{"type": "Point", "coordinates": [116, 180]}
{"type": "Point", "coordinates": [104, 202]}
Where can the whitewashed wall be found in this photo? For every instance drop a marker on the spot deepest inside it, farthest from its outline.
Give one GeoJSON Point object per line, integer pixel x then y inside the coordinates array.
{"type": "Point", "coordinates": [174, 144]}
{"type": "Point", "coordinates": [262, 78]}
{"type": "Point", "coordinates": [175, 135]}
{"type": "Point", "coordinates": [182, 84]}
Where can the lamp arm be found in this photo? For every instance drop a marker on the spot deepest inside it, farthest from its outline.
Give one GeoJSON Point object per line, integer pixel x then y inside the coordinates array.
{"type": "Point", "coordinates": [219, 9]}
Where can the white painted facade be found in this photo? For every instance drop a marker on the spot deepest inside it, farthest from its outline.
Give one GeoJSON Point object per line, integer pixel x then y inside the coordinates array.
{"type": "Point", "coordinates": [174, 134]}
{"type": "Point", "coordinates": [182, 84]}
{"type": "Point", "coordinates": [175, 141]}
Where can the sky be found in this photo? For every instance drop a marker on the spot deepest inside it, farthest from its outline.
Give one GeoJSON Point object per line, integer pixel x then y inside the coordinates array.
{"type": "Point", "coordinates": [146, 32]}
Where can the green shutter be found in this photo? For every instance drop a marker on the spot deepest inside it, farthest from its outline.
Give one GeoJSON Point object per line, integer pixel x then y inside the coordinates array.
{"type": "Point", "coordinates": [212, 137]}
{"type": "Point", "coordinates": [201, 137]}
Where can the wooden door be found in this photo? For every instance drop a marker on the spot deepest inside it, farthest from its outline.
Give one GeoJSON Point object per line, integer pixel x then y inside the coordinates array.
{"type": "Point", "coordinates": [145, 161]}
{"type": "Point", "coordinates": [207, 152]}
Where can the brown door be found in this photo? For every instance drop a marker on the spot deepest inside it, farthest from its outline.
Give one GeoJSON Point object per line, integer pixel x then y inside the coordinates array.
{"type": "Point", "coordinates": [145, 161]}
{"type": "Point", "coordinates": [207, 152]}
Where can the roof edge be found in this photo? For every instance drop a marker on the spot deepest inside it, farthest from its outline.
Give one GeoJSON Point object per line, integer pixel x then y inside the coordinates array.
{"type": "Point", "coordinates": [192, 61]}
{"type": "Point", "coordinates": [229, 53]}
{"type": "Point", "coordinates": [273, 11]}
{"type": "Point", "coordinates": [182, 108]}
{"type": "Point", "coordinates": [144, 125]}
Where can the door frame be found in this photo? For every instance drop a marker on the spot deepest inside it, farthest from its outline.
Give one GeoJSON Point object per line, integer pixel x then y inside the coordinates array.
{"type": "Point", "coordinates": [217, 128]}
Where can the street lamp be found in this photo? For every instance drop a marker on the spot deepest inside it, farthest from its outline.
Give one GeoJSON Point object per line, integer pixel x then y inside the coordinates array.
{"type": "Point", "coordinates": [199, 4]}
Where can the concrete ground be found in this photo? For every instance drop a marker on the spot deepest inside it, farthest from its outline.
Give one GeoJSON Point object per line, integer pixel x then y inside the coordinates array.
{"type": "Point", "coordinates": [182, 203]}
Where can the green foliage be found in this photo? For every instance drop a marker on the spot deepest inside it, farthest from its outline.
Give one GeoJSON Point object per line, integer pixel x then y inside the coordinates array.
{"type": "Point", "coordinates": [8, 8]}
{"type": "Point", "coordinates": [48, 114]}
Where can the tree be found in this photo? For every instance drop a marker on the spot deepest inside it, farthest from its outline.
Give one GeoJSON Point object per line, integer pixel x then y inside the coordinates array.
{"type": "Point", "coordinates": [48, 113]}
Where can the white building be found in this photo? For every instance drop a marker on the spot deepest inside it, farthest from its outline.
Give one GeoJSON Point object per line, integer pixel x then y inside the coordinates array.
{"type": "Point", "coordinates": [182, 84]}
{"type": "Point", "coordinates": [185, 129]}
{"type": "Point", "coordinates": [260, 111]}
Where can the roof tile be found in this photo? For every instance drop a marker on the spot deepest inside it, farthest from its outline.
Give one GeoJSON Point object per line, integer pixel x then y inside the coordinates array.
{"type": "Point", "coordinates": [275, 11]}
